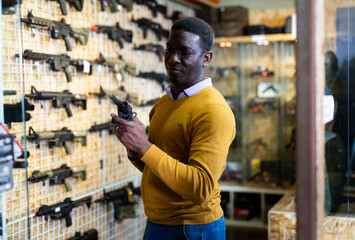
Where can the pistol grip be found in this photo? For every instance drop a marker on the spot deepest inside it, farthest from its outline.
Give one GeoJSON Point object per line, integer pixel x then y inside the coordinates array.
{"type": "Point", "coordinates": [67, 43]}
{"type": "Point", "coordinates": [67, 74]}
{"type": "Point", "coordinates": [116, 210]}
{"type": "Point", "coordinates": [68, 110]}
{"type": "Point", "coordinates": [68, 219]}
{"type": "Point", "coordinates": [67, 185]}
{"type": "Point", "coordinates": [144, 32]}
{"type": "Point", "coordinates": [120, 43]}
{"type": "Point", "coordinates": [62, 7]}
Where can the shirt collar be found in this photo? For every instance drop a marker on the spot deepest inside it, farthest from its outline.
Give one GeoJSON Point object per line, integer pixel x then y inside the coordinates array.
{"type": "Point", "coordinates": [207, 82]}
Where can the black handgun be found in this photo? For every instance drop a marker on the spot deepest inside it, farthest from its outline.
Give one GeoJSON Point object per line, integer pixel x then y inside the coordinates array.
{"type": "Point", "coordinates": [124, 109]}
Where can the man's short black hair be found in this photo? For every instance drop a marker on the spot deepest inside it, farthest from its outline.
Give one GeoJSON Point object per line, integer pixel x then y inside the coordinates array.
{"type": "Point", "coordinates": [198, 27]}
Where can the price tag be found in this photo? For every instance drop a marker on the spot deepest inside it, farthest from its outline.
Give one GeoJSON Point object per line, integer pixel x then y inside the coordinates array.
{"type": "Point", "coordinates": [87, 67]}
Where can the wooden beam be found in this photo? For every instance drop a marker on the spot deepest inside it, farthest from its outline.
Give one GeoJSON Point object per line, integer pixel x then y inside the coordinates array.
{"type": "Point", "coordinates": [198, 4]}
{"type": "Point", "coordinates": [190, 4]}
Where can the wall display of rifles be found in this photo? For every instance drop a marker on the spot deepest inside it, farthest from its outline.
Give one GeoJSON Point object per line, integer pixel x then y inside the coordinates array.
{"type": "Point", "coordinates": [60, 175]}
{"type": "Point", "coordinates": [123, 199]}
{"type": "Point", "coordinates": [57, 29]}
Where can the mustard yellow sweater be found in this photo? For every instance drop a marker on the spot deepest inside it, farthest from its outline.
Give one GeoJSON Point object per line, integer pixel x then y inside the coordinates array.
{"type": "Point", "coordinates": [191, 137]}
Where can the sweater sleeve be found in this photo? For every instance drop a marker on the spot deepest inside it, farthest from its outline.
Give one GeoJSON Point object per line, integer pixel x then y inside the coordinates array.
{"type": "Point", "coordinates": [211, 133]}
{"type": "Point", "coordinates": [138, 164]}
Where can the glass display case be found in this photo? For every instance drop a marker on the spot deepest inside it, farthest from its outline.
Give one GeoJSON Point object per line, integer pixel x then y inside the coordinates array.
{"type": "Point", "coordinates": [256, 75]}
{"type": "Point", "coordinates": [257, 78]}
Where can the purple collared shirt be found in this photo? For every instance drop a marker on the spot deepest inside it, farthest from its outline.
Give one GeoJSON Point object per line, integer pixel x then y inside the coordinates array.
{"type": "Point", "coordinates": [207, 82]}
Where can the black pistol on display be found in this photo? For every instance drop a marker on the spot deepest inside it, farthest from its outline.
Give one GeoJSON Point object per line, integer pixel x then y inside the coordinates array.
{"type": "Point", "coordinates": [60, 175]}
{"type": "Point", "coordinates": [57, 29]}
{"type": "Point", "coordinates": [60, 99]}
{"type": "Point", "coordinates": [124, 109]}
{"type": "Point", "coordinates": [62, 210]}
{"type": "Point", "coordinates": [91, 234]}
{"type": "Point", "coordinates": [13, 112]}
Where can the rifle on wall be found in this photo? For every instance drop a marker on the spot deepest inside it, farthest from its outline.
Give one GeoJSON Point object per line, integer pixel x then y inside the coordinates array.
{"type": "Point", "coordinates": [122, 199]}
{"type": "Point", "coordinates": [60, 175]}
{"type": "Point", "coordinates": [161, 78]}
{"type": "Point", "coordinates": [91, 234]}
{"type": "Point", "coordinates": [117, 65]}
{"type": "Point", "coordinates": [150, 47]}
{"type": "Point", "coordinates": [146, 24]}
{"type": "Point", "coordinates": [60, 99]}
{"type": "Point", "coordinates": [109, 126]}
{"type": "Point", "coordinates": [62, 210]}
{"type": "Point", "coordinates": [58, 138]}
{"type": "Point", "coordinates": [121, 93]}
{"type": "Point", "coordinates": [77, 4]}
{"type": "Point", "coordinates": [13, 112]}
{"type": "Point", "coordinates": [57, 29]}
{"type": "Point", "coordinates": [57, 62]}
{"type": "Point", "coordinates": [115, 33]}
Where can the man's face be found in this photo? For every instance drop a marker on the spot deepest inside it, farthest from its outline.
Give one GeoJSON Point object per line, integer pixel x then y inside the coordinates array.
{"type": "Point", "coordinates": [184, 59]}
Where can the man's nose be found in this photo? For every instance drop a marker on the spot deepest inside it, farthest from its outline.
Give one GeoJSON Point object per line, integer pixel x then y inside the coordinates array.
{"type": "Point", "coordinates": [174, 57]}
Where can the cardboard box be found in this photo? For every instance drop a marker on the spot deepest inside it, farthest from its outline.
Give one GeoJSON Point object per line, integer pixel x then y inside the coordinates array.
{"type": "Point", "coordinates": [210, 15]}
{"type": "Point", "coordinates": [234, 14]}
{"type": "Point", "coordinates": [228, 29]}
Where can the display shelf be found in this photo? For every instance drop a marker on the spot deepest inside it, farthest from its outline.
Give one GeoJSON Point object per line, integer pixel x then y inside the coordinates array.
{"type": "Point", "coordinates": [256, 38]}
{"type": "Point", "coordinates": [261, 192]}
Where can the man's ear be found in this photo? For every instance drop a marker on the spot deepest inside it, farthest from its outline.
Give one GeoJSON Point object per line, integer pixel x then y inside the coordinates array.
{"type": "Point", "coordinates": [207, 58]}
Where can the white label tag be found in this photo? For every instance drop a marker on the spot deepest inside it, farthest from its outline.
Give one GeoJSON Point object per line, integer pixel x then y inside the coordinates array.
{"type": "Point", "coordinates": [86, 67]}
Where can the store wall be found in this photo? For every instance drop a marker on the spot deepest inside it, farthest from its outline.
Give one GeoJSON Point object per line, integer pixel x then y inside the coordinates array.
{"type": "Point", "coordinates": [258, 5]}
{"type": "Point", "coordinates": [105, 158]}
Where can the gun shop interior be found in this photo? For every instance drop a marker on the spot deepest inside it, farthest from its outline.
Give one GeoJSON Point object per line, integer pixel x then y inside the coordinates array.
{"type": "Point", "coordinates": [282, 68]}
